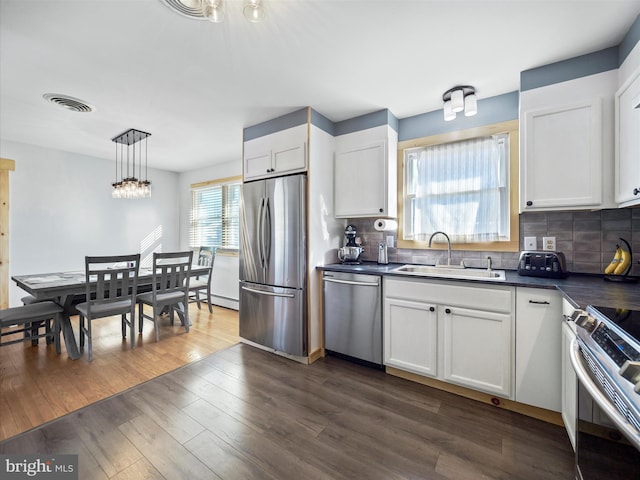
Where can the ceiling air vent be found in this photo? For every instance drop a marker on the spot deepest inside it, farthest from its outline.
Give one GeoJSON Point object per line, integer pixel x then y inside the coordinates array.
{"type": "Point", "coordinates": [187, 8]}
{"type": "Point", "coordinates": [70, 103]}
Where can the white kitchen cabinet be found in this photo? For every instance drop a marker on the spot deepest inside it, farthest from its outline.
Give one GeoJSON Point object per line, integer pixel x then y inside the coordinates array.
{"type": "Point", "coordinates": [567, 145]}
{"type": "Point", "coordinates": [627, 176]}
{"type": "Point", "coordinates": [562, 165]}
{"type": "Point", "coordinates": [569, 383]}
{"type": "Point", "coordinates": [539, 348]}
{"type": "Point", "coordinates": [411, 336]}
{"type": "Point", "coordinates": [276, 154]}
{"type": "Point", "coordinates": [365, 174]}
{"type": "Point", "coordinates": [477, 349]}
{"type": "Point", "coordinates": [457, 333]}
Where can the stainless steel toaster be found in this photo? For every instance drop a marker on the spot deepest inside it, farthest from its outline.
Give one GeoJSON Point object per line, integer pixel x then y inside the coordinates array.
{"type": "Point", "coordinates": [542, 264]}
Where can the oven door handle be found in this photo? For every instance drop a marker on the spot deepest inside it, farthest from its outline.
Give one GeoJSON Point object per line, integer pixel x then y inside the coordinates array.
{"type": "Point", "coordinates": [603, 402]}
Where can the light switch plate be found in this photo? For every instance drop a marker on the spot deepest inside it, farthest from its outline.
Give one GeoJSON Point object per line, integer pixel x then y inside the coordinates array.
{"type": "Point", "coordinates": [530, 243]}
{"type": "Point", "coordinates": [548, 243]}
{"type": "Point", "coordinates": [390, 242]}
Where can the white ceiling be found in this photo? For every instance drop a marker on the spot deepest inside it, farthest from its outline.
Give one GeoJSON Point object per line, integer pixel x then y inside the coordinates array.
{"type": "Point", "coordinates": [194, 85]}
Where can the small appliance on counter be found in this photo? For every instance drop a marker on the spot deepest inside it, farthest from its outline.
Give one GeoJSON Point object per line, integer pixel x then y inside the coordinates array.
{"type": "Point", "coordinates": [542, 264]}
{"type": "Point", "coordinates": [350, 253]}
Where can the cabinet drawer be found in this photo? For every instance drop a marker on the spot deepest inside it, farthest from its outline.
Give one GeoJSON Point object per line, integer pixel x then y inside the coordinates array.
{"type": "Point", "coordinates": [490, 298]}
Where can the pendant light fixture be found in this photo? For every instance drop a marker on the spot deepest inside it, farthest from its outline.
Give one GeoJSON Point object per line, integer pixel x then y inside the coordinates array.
{"type": "Point", "coordinates": [131, 186]}
{"type": "Point", "coordinates": [457, 99]}
{"type": "Point", "coordinates": [215, 10]}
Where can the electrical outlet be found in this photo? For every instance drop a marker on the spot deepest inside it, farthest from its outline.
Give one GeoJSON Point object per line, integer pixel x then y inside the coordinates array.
{"type": "Point", "coordinates": [390, 241]}
{"type": "Point", "coordinates": [530, 243]}
{"type": "Point", "coordinates": [548, 243]}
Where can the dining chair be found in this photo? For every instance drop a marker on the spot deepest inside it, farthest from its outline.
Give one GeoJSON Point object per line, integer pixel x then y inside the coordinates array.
{"type": "Point", "coordinates": [169, 289]}
{"type": "Point", "coordinates": [111, 286]}
{"type": "Point", "coordinates": [21, 320]}
{"type": "Point", "coordinates": [206, 257]}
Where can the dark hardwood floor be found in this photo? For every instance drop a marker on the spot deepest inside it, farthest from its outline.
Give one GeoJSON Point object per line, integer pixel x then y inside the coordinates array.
{"type": "Point", "coordinates": [242, 413]}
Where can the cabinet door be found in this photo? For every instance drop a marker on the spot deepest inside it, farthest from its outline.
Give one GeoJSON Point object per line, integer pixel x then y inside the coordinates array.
{"type": "Point", "coordinates": [538, 348]}
{"type": "Point", "coordinates": [477, 349]}
{"type": "Point", "coordinates": [410, 336]}
{"type": "Point", "coordinates": [360, 184]}
{"type": "Point", "coordinates": [257, 165]}
{"type": "Point", "coordinates": [569, 385]}
{"type": "Point", "coordinates": [628, 145]}
{"type": "Point", "coordinates": [290, 158]}
{"type": "Point", "coordinates": [562, 164]}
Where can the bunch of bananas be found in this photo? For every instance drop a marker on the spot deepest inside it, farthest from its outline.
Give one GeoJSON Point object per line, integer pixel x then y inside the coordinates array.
{"type": "Point", "coordinates": [619, 263]}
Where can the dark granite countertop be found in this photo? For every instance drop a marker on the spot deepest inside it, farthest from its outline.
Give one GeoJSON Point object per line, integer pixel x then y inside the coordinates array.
{"type": "Point", "coordinates": [579, 289]}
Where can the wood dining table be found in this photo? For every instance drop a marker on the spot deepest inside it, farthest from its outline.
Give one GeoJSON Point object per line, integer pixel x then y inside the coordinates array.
{"type": "Point", "coordinates": [64, 287]}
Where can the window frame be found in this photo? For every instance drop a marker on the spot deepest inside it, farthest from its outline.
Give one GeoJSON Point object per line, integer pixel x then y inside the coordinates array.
{"type": "Point", "coordinates": [212, 183]}
{"type": "Point", "coordinates": [510, 127]}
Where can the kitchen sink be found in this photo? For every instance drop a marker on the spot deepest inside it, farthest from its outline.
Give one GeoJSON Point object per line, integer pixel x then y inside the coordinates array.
{"type": "Point", "coordinates": [452, 272]}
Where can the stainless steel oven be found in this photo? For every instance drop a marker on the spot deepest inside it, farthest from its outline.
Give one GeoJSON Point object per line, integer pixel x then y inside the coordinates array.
{"type": "Point", "coordinates": [606, 358]}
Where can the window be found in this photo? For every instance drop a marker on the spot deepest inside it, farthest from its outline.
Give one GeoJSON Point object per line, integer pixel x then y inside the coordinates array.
{"type": "Point", "coordinates": [464, 185]}
{"type": "Point", "coordinates": [215, 214]}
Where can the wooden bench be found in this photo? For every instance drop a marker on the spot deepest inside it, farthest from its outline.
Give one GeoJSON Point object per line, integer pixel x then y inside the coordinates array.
{"type": "Point", "coordinates": [25, 317]}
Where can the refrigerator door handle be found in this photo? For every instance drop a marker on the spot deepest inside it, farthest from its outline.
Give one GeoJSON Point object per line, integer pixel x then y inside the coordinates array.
{"type": "Point", "coordinates": [270, 294]}
{"type": "Point", "coordinates": [261, 233]}
{"type": "Point", "coordinates": [267, 236]}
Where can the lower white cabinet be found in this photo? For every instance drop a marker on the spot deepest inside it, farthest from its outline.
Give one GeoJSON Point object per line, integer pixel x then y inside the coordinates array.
{"type": "Point", "coordinates": [460, 334]}
{"type": "Point", "coordinates": [538, 347]}
{"type": "Point", "coordinates": [477, 349]}
{"type": "Point", "coordinates": [411, 336]}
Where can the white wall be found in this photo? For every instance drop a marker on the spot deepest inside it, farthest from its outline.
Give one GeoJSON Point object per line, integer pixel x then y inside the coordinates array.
{"type": "Point", "coordinates": [61, 210]}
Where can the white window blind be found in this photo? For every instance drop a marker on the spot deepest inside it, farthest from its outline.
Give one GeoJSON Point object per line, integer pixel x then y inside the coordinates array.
{"type": "Point", "coordinates": [215, 216]}
{"type": "Point", "coordinates": [460, 188]}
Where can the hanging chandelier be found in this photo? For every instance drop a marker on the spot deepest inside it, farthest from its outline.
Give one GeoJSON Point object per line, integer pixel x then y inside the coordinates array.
{"type": "Point", "coordinates": [130, 186]}
{"type": "Point", "coordinates": [215, 10]}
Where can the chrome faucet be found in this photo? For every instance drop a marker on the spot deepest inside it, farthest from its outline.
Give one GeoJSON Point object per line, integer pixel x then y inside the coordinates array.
{"type": "Point", "coordinates": [448, 244]}
{"type": "Point", "coordinates": [489, 265]}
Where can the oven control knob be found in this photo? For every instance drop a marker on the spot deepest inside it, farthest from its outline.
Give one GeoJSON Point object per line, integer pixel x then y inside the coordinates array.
{"type": "Point", "coordinates": [585, 321]}
{"type": "Point", "coordinates": [631, 371]}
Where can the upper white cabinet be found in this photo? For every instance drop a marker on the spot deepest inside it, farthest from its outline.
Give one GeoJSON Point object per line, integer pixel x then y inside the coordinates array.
{"type": "Point", "coordinates": [538, 347]}
{"type": "Point", "coordinates": [627, 176]}
{"type": "Point", "coordinates": [276, 154]}
{"type": "Point", "coordinates": [566, 156]}
{"type": "Point", "coordinates": [365, 178]}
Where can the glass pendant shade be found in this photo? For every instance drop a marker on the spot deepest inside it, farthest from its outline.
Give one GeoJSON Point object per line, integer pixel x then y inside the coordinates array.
{"type": "Point", "coordinates": [254, 10]}
{"type": "Point", "coordinates": [213, 10]}
{"type": "Point", "coordinates": [449, 114]}
{"type": "Point", "coordinates": [457, 101]}
{"type": "Point", "coordinates": [470, 105]}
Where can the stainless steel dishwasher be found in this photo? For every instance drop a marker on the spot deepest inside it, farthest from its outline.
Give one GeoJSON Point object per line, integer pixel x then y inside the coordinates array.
{"type": "Point", "coordinates": [352, 306]}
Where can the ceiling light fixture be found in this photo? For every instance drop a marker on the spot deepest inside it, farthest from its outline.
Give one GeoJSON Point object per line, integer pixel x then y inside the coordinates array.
{"type": "Point", "coordinates": [130, 186]}
{"type": "Point", "coordinates": [215, 10]}
{"type": "Point", "coordinates": [457, 99]}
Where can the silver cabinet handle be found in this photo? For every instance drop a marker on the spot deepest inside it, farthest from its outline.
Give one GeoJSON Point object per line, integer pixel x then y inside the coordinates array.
{"type": "Point", "coordinates": [351, 282]}
{"type": "Point", "coordinates": [270, 294]}
{"type": "Point", "coordinates": [631, 433]}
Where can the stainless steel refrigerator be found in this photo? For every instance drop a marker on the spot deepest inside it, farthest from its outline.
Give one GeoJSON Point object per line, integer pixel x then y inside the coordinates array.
{"type": "Point", "coordinates": [273, 295]}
